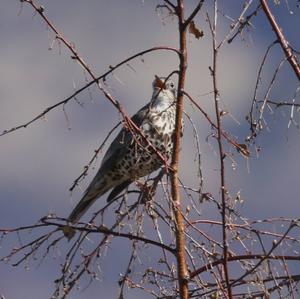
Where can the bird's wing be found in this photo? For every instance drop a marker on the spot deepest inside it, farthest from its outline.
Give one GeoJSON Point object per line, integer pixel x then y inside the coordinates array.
{"type": "Point", "coordinates": [120, 144]}
{"type": "Point", "coordinates": [118, 149]}
{"type": "Point", "coordinates": [115, 152]}
{"type": "Point", "coordinates": [117, 190]}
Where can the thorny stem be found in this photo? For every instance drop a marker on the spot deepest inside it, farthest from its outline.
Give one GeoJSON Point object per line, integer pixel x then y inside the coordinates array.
{"type": "Point", "coordinates": [275, 245]}
{"type": "Point", "coordinates": [258, 81]}
{"type": "Point", "coordinates": [241, 23]}
{"type": "Point", "coordinates": [89, 258]}
{"type": "Point", "coordinates": [281, 38]}
{"type": "Point", "coordinates": [285, 280]}
{"type": "Point", "coordinates": [221, 151]}
{"type": "Point", "coordinates": [109, 232]}
{"type": "Point", "coordinates": [229, 139]}
{"type": "Point", "coordinates": [213, 264]}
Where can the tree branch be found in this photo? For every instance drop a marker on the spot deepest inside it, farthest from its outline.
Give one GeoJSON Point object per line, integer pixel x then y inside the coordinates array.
{"type": "Point", "coordinates": [224, 134]}
{"type": "Point", "coordinates": [211, 265]}
{"type": "Point", "coordinates": [175, 190]}
{"type": "Point", "coordinates": [171, 4]}
{"type": "Point", "coordinates": [193, 14]}
{"type": "Point", "coordinates": [213, 28]}
{"type": "Point", "coordinates": [281, 38]}
{"type": "Point", "coordinates": [105, 230]}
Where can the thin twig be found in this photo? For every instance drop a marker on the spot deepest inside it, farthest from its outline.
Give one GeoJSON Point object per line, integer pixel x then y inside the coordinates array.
{"type": "Point", "coordinates": [225, 135]}
{"type": "Point", "coordinates": [213, 28]}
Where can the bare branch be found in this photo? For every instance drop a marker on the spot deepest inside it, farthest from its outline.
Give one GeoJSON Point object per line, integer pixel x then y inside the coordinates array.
{"type": "Point", "coordinates": [108, 232]}
{"type": "Point", "coordinates": [224, 134]}
{"type": "Point", "coordinates": [180, 236]}
{"type": "Point", "coordinates": [213, 28]}
{"type": "Point", "coordinates": [193, 14]}
{"type": "Point", "coordinates": [171, 4]}
{"type": "Point", "coordinates": [282, 40]}
{"type": "Point", "coordinates": [243, 257]}
{"type": "Point", "coordinates": [275, 245]}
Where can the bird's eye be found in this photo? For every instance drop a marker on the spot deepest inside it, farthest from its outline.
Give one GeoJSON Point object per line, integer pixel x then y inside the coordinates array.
{"type": "Point", "coordinates": [172, 85]}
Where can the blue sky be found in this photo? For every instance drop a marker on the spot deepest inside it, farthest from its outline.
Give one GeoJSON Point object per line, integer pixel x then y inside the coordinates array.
{"type": "Point", "coordinates": [39, 163]}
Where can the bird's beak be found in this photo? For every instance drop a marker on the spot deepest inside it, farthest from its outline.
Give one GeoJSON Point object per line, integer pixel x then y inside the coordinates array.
{"type": "Point", "coordinates": [158, 83]}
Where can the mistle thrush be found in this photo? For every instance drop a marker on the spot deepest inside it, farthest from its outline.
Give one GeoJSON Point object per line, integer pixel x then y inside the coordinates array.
{"type": "Point", "coordinates": [129, 157]}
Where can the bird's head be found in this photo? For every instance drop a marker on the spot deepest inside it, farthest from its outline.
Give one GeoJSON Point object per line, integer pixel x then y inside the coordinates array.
{"type": "Point", "coordinates": [161, 86]}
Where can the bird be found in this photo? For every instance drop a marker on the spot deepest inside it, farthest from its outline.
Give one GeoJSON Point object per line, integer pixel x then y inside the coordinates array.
{"type": "Point", "coordinates": [129, 157]}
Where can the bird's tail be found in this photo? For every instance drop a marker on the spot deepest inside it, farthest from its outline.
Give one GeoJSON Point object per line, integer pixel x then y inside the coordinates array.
{"type": "Point", "coordinates": [97, 188]}
{"type": "Point", "coordinates": [77, 213]}
{"type": "Point", "coordinates": [82, 207]}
